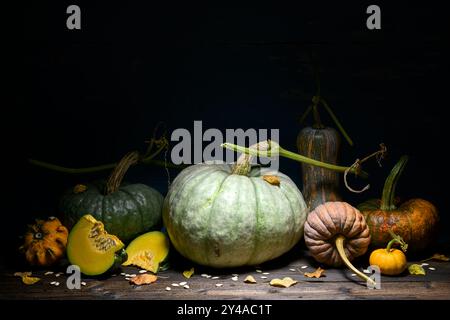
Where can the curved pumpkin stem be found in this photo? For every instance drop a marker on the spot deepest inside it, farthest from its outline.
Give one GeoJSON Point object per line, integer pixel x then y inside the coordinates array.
{"type": "Point", "coordinates": [387, 199]}
{"type": "Point", "coordinates": [243, 164]}
{"type": "Point", "coordinates": [116, 177]}
{"type": "Point", "coordinates": [274, 149]}
{"type": "Point", "coordinates": [339, 242]}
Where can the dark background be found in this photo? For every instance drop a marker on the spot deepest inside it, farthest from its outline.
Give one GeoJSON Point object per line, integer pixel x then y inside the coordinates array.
{"type": "Point", "coordinates": [88, 96]}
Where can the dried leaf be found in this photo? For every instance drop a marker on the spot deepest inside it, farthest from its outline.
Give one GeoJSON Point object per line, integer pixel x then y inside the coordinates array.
{"type": "Point", "coordinates": [316, 274]}
{"type": "Point", "coordinates": [143, 279]}
{"type": "Point", "coordinates": [249, 279]}
{"type": "Point", "coordinates": [30, 280]}
{"type": "Point", "coordinates": [22, 274]}
{"type": "Point", "coordinates": [285, 282]}
{"type": "Point", "coordinates": [79, 188]}
{"type": "Point", "coordinates": [188, 273]}
{"type": "Point", "coordinates": [273, 180]}
{"type": "Point", "coordinates": [416, 269]}
{"type": "Point", "coordinates": [26, 277]}
{"type": "Point", "coordinates": [438, 257]}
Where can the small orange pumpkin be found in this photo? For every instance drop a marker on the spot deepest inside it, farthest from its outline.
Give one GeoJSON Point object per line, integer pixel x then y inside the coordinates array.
{"type": "Point", "coordinates": [45, 242]}
{"type": "Point", "coordinates": [391, 261]}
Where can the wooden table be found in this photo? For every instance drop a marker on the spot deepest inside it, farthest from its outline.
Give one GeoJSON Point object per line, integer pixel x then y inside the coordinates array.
{"type": "Point", "coordinates": [339, 284]}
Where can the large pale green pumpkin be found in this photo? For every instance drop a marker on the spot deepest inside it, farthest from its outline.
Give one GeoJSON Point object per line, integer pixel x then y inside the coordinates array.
{"type": "Point", "coordinates": [220, 219]}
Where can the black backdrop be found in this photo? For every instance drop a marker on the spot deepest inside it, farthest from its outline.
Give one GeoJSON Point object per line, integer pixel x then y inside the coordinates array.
{"type": "Point", "coordinates": [88, 96]}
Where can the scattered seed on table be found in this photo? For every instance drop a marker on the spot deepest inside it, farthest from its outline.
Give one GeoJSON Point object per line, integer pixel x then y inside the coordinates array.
{"type": "Point", "coordinates": [53, 282]}
{"type": "Point", "coordinates": [168, 288]}
{"type": "Point", "coordinates": [48, 272]}
{"type": "Point", "coordinates": [366, 271]}
{"type": "Point", "coordinates": [114, 275]}
{"type": "Point", "coordinates": [57, 275]}
{"type": "Point", "coordinates": [353, 274]}
{"type": "Point", "coordinates": [175, 285]}
{"type": "Point", "coordinates": [219, 284]}
{"type": "Point", "coordinates": [142, 271]}
{"type": "Point", "coordinates": [424, 264]}
{"type": "Point", "coordinates": [215, 278]}
{"type": "Point", "coordinates": [263, 277]}
{"type": "Point", "coordinates": [304, 267]}
{"type": "Point", "coordinates": [292, 269]}
{"type": "Point", "coordinates": [133, 275]}
{"type": "Point", "coordinates": [257, 270]}
{"type": "Point", "coordinates": [235, 278]}
{"type": "Point", "coordinates": [186, 286]}
{"type": "Point", "coordinates": [266, 273]}
{"type": "Point", "coordinates": [183, 283]}
{"type": "Point", "coordinates": [57, 284]}
{"type": "Point", "coordinates": [128, 279]}
{"type": "Point", "coordinates": [204, 275]}
{"type": "Point", "coordinates": [432, 268]}
{"type": "Point", "coordinates": [83, 283]}
{"type": "Point", "coordinates": [123, 274]}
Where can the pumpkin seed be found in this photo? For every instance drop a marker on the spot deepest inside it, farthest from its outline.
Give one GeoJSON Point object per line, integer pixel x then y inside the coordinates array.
{"type": "Point", "coordinates": [266, 273]}
{"type": "Point", "coordinates": [431, 268]}
{"type": "Point", "coordinates": [53, 282]}
{"type": "Point", "coordinates": [168, 288]}
{"type": "Point", "coordinates": [123, 274]}
{"type": "Point", "coordinates": [204, 275]}
{"type": "Point", "coordinates": [293, 270]}
{"type": "Point", "coordinates": [235, 275]}
{"type": "Point", "coordinates": [235, 278]}
{"type": "Point", "coordinates": [367, 271]}
{"type": "Point", "coordinates": [186, 286]}
{"type": "Point", "coordinates": [353, 274]}
{"type": "Point", "coordinates": [425, 264]}
{"type": "Point", "coordinates": [263, 277]}
{"type": "Point", "coordinates": [48, 272]}
{"type": "Point", "coordinates": [132, 275]}
{"type": "Point", "coordinates": [215, 278]}
{"type": "Point", "coordinates": [259, 271]}
{"type": "Point", "coordinates": [142, 271]}
{"type": "Point", "coordinates": [304, 267]}
{"type": "Point", "coordinates": [57, 284]}
{"type": "Point", "coordinates": [219, 284]}
{"type": "Point", "coordinates": [183, 283]}
{"type": "Point", "coordinates": [83, 283]}
{"type": "Point", "coordinates": [175, 285]}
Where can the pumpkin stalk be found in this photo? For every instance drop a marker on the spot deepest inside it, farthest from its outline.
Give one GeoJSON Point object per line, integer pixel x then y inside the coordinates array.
{"type": "Point", "coordinates": [340, 248]}
{"type": "Point", "coordinates": [274, 149]}
{"type": "Point", "coordinates": [396, 239]}
{"type": "Point", "coordinates": [243, 164]}
{"type": "Point", "coordinates": [148, 159]}
{"type": "Point", "coordinates": [116, 177]}
{"type": "Point", "coordinates": [387, 199]}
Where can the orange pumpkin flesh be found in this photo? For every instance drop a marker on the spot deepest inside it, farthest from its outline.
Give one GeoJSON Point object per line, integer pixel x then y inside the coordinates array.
{"type": "Point", "coordinates": [45, 242]}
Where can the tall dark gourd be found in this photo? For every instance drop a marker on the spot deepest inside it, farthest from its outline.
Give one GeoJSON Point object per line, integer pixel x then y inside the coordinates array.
{"type": "Point", "coordinates": [322, 143]}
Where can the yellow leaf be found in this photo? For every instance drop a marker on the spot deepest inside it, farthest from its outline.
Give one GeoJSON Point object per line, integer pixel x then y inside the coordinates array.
{"type": "Point", "coordinates": [188, 273]}
{"type": "Point", "coordinates": [144, 279]}
{"type": "Point", "coordinates": [316, 274]}
{"type": "Point", "coordinates": [273, 180]}
{"type": "Point", "coordinates": [249, 279]}
{"type": "Point", "coordinates": [79, 188]}
{"type": "Point", "coordinates": [30, 280]}
{"type": "Point", "coordinates": [22, 274]}
{"type": "Point", "coordinates": [285, 282]}
{"type": "Point", "coordinates": [416, 269]}
{"type": "Point", "coordinates": [438, 257]}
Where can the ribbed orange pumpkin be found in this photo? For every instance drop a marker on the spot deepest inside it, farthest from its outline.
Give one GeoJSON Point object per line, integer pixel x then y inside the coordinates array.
{"type": "Point", "coordinates": [45, 242]}
{"type": "Point", "coordinates": [336, 233]}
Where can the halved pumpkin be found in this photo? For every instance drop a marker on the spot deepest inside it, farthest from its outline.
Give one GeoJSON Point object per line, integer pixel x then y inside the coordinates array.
{"type": "Point", "coordinates": [148, 251]}
{"type": "Point", "coordinates": [92, 248]}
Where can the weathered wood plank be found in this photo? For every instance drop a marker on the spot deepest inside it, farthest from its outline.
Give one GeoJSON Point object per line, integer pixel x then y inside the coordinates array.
{"type": "Point", "coordinates": [338, 284]}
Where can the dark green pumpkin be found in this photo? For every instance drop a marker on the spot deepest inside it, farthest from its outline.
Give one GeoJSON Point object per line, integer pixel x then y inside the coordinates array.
{"type": "Point", "coordinates": [127, 210]}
